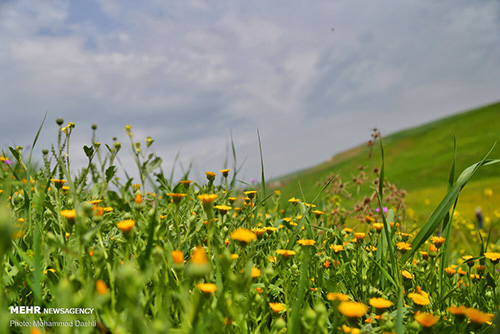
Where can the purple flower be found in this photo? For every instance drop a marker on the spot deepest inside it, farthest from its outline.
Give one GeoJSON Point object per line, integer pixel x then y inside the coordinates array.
{"type": "Point", "coordinates": [384, 208]}
{"type": "Point", "coordinates": [7, 161]}
{"type": "Point", "coordinates": [253, 181]}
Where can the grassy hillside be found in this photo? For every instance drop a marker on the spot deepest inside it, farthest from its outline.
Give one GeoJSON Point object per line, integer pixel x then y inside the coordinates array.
{"type": "Point", "coordinates": [419, 160]}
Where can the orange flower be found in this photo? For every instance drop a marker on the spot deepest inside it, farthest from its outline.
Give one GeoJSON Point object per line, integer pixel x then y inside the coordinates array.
{"type": "Point", "coordinates": [458, 311]}
{"type": "Point", "coordinates": [126, 226]}
{"type": "Point", "coordinates": [477, 316]}
{"type": "Point", "coordinates": [101, 287]}
{"type": "Point", "coordinates": [177, 256]}
{"type": "Point", "coordinates": [138, 198]}
{"type": "Point", "coordinates": [419, 299]}
{"type": "Point", "coordinates": [277, 307]}
{"type": "Point", "coordinates": [380, 304]}
{"type": "Point", "coordinates": [352, 310]}
{"type": "Point", "coordinates": [207, 288]}
{"type": "Point", "coordinates": [426, 319]}
{"type": "Point", "coordinates": [337, 296]}
{"type": "Point", "coordinates": [199, 256]}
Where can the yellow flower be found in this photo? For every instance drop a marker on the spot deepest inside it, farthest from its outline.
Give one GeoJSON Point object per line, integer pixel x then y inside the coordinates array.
{"type": "Point", "coordinates": [318, 213]}
{"type": "Point", "coordinates": [58, 183]}
{"type": "Point", "coordinates": [380, 304]}
{"type": "Point", "coordinates": [207, 288]}
{"type": "Point", "coordinates": [255, 272]}
{"type": "Point", "coordinates": [50, 269]}
{"type": "Point", "coordinates": [426, 319]}
{"type": "Point", "coordinates": [243, 235]}
{"type": "Point", "coordinates": [493, 257]}
{"type": "Point", "coordinates": [277, 307]}
{"type": "Point", "coordinates": [438, 241]}
{"type": "Point", "coordinates": [294, 200]}
{"type": "Point", "coordinates": [403, 246]}
{"type": "Point", "coordinates": [259, 231]}
{"type": "Point", "coordinates": [337, 296]}
{"type": "Point", "coordinates": [337, 248]}
{"type": "Point", "coordinates": [306, 242]}
{"type": "Point", "coordinates": [225, 172]}
{"type": "Point", "coordinates": [234, 256]}
{"type": "Point", "coordinates": [378, 226]}
{"type": "Point", "coordinates": [126, 226]}
{"type": "Point", "coordinates": [270, 229]}
{"type": "Point", "coordinates": [199, 256]}
{"type": "Point", "coordinates": [186, 183]}
{"type": "Point", "coordinates": [419, 299]}
{"type": "Point", "coordinates": [68, 214]}
{"type": "Point", "coordinates": [407, 275]}
{"type": "Point", "coordinates": [207, 199]}
{"type": "Point", "coordinates": [285, 253]}
{"type": "Point", "coordinates": [350, 330]}
{"type": "Point", "coordinates": [359, 235]}
{"type": "Point", "coordinates": [223, 209]}
{"type": "Point", "coordinates": [176, 197]}
{"type": "Point", "coordinates": [425, 255]}
{"type": "Point", "coordinates": [101, 287]}
{"type": "Point", "coordinates": [450, 271]}
{"type": "Point", "coordinates": [352, 310]}
{"type": "Point", "coordinates": [177, 256]}
{"type": "Point", "coordinates": [251, 193]}
{"type": "Point", "coordinates": [210, 176]}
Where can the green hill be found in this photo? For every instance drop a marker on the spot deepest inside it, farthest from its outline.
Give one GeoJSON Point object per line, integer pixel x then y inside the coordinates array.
{"type": "Point", "coordinates": [419, 160]}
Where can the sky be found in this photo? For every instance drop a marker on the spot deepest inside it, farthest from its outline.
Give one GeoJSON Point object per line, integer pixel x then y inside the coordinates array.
{"type": "Point", "coordinates": [313, 77]}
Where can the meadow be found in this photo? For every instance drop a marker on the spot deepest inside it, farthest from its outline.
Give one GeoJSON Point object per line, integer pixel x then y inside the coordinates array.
{"type": "Point", "coordinates": [158, 255]}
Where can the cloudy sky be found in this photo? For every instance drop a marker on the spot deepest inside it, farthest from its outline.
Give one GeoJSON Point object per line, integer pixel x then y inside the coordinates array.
{"type": "Point", "coordinates": [313, 76]}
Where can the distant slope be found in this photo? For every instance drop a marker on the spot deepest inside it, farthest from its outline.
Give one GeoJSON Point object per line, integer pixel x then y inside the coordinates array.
{"type": "Point", "coordinates": [415, 159]}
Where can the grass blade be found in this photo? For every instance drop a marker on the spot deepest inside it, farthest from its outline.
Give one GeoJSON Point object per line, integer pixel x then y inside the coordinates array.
{"type": "Point", "coordinates": [446, 204]}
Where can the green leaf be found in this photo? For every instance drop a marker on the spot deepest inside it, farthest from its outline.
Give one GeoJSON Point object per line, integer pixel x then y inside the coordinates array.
{"type": "Point", "coordinates": [89, 151]}
{"type": "Point", "coordinates": [152, 165]}
{"type": "Point", "coordinates": [110, 172]}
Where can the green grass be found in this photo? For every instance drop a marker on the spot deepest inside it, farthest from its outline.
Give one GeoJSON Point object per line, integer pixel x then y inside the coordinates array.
{"type": "Point", "coordinates": [417, 160]}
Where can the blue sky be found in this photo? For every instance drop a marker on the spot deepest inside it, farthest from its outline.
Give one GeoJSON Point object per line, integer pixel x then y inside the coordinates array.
{"type": "Point", "coordinates": [313, 77]}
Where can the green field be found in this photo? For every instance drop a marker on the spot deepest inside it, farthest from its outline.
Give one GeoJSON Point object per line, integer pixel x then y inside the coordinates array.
{"type": "Point", "coordinates": [419, 161]}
